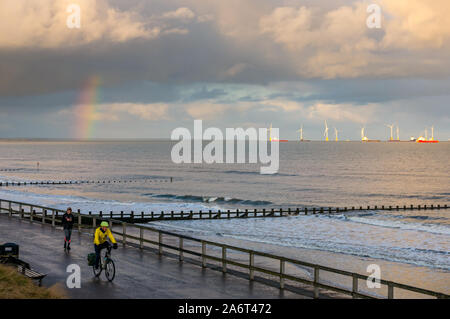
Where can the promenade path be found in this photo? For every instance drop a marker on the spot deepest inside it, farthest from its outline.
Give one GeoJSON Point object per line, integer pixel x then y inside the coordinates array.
{"type": "Point", "coordinates": [140, 274]}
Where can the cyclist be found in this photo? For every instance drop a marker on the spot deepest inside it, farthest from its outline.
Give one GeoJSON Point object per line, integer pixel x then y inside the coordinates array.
{"type": "Point", "coordinates": [67, 222]}
{"type": "Point", "coordinates": [100, 241]}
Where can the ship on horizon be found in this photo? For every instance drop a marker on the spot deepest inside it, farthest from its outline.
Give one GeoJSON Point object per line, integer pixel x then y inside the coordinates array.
{"type": "Point", "coordinates": [425, 139]}
{"type": "Point", "coordinates": [301, 135]}
{"type": "Point", "coordinates": [364, 138]}
{"type": "Point", "coordinates": [274, 139]}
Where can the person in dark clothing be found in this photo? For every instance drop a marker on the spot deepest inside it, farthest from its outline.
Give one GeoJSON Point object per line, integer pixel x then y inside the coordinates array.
{"type": "Point", "coordinates": [67, 222]}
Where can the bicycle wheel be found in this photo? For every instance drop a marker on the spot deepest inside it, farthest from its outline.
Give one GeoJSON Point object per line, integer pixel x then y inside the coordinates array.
{"type": "Point", "coordinates": [110, 270]}
{"type": "Point", "coordinates": [98, 271]}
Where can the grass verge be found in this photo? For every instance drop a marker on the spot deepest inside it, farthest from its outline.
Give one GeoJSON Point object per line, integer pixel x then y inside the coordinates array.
{"type": "Point", "coordinates": [16, 286]}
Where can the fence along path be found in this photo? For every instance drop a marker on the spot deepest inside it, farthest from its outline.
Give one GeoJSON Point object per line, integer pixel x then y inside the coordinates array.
{"type": "Point", "coordinates": [142, 237]}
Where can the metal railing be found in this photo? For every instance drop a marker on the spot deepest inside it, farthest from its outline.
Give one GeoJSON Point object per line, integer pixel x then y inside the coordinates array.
{"type": "Point", "coordinates": [130, 232]}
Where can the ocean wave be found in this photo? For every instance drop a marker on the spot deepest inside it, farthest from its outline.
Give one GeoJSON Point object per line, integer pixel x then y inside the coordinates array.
{"type": "Point", "coordinates": [413, 256]}
{"type": "Point", "coordinates": [210, 199]}
{"type": "Point", "coordinates": [254, 173]}
{"type": "Point", "coordinates": [429, 228]}
{"type": "Point", "coordinates": [86, 204]}
{"type": "Point", "coordinates": [425, 257]}
{"type": "Point", "coordinates": [437, 196]}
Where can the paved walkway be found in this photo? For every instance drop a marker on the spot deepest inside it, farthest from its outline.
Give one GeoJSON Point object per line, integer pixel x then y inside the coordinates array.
{"type": "Point", "coordinates": [139, 274]}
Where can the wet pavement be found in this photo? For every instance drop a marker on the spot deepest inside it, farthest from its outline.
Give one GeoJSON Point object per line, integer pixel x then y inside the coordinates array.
{"type": "Point", "coordinates": [139, 274]}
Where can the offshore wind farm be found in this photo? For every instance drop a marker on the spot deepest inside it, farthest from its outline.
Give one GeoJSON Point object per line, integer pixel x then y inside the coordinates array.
{"type": "Point", "coordinates": [422, 138]}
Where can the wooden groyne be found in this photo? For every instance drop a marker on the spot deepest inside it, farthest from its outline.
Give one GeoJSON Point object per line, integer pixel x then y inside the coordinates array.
{"type": "Point", "coordinates": [201, 253]}
{"type": "Point", "coordinates": [145, 217]}
{"type": "Point", "coordinates": [71, 182]}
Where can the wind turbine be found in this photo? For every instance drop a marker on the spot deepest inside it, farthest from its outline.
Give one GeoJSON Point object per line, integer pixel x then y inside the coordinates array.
{"type": "Point", "coordinates": [326, 131]}
{"type": "Point", "coordinates": [270, 133]}
{"type": "Point", "coordinates": [398, 133]}
{"type": "Point", "coordinates": [363, 134]}
{"type": "Point", "coordinates": [432, 133]}
{"type": "Point", "coordinates": [301, 133]}
{"type": "Point", "coordinates": [392, 128]}
{"type": "Point", "coordinates": [336, 133]}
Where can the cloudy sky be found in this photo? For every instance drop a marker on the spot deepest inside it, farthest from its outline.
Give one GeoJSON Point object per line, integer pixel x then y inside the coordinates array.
{"type": "Point", "coordinates": [141, 68]}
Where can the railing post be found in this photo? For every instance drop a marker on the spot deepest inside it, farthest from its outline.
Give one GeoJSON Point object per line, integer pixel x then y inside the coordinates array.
{"type": "Point", "coordinates": [181, 258]}
{"type": "Point", "coordinates": [390, 291]}
{"type": "Point", "coordinates": [354, 286]}
{"type": "Point", "coordinates": [10, 209]}
{"type": "Point", "coordinates": [31, 214]}
{"type": "Point", "coordinates": [160, 242]}
{"type": "Point", "coordinates": [316, 281]}
{"type": "Point", "coordinates": [53, 217]}
{"type": "Point", "coordinates": [282, 268]}
{"type": "Point", "coordinates": [224, 259]}
{"type": "Point", "coordinates": [124, 234]}
{"type": "Point", "coordinates": [79, 221]}
{"type": "Point", "coordinates": [251, 264]}
{"type": "Point", "coordinates": [141, 237]}
{"type": "Point", "coordinates": [44, 214]}
{"type": "Point", "coordinates": [203, 254]}
{"type": "Point", "coordinates": [94, 223]}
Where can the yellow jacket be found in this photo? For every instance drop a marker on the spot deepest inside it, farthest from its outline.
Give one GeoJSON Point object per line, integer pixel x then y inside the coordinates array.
{"type": "Point", "coordinates": [100, 236]}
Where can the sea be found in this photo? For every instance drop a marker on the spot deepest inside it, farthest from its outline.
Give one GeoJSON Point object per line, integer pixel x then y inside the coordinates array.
{"type": "Point", "coordinates": [311, 174]}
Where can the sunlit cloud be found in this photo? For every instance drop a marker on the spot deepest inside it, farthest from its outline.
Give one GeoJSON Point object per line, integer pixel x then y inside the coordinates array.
{"type": "Point", "coordinates": [151, 112]}
{"type": "Point", "coordinates": [180, 13]}
{"type": "Point", "coordinates": [360, 114]}
{"type": "Point", "coordinates": [28, 23]}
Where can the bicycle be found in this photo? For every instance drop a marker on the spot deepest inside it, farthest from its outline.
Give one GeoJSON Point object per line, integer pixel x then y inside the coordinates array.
{"type": "Point", "coordinates": [107, 264]}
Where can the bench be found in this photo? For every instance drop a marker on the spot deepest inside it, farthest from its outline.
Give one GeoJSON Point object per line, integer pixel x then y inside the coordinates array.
{"type": "Point", "coordinates": [23, 268]}
{"type": "Point", "coordinates": [30, 273]}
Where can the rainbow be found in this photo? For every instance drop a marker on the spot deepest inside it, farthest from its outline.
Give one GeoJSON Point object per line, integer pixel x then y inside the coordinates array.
{"type": "Point", "coordinates": [85, 109]}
